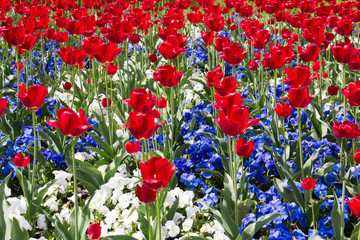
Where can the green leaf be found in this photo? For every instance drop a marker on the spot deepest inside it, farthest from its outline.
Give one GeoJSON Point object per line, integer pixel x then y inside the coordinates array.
{"type": "Point", "coordinates": [5, 224]}
{"type": "Point", "coordinates": [194, 238]}
{"type": "Point", "coordinates": [104, 145]}
{"type": "Point", "coordinates": [336, 218]}
{"type": "Point", "coordinates": [171, 213]}
{"type": "Point", "coordinates": [181, 149]}
{"type": "Point", "coordinates": [252, 228]}
{"type": "Point", "coordinates": [118, 237]}
{"type": "Point", "coordinates": [18, 232]}
{"type": "Point", "coordinates": [39, 156]}
{"type": "Point", "coordinates": [355, 233]}
{"type": "Point", "coordinates": [89, 176]}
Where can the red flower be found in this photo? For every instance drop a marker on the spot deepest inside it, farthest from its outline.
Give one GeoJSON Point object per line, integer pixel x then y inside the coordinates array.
{"type": "Point", "coordinates": [356, 156]}
{"type": "Point", "coordinates": [134, 38]}
{"type": "Point", "coordinates": [106, 52]}
{"type": "Point", "coordinates": [261, 38]}
{"type": "Point", "coordinates": [29, 43]}
{"type": "Point", "coordinates": [214, 22]}
{"type": "Point", "coordinates": [233, 53]}
{"type": "Point", "coordinates": [72, 56]}
{"type": "Point", "coordinates": [145, 194]}
{"type": "Point", "coordinates": [170, 50]}
{"type": "Point", "coordinates": [104, 102]}
{"type": "Point", "coordinates": [161, 102]}
{"type": "Point", "coordinates": [343, 52]}
{"type": "Point", "coordinates": [153, 58]}
{"type": "Point", "coordinates": [141, 101]}
{"type": "Point", "coordinates": [226, 86]}
{"type": "Point", "coordinates": [3, 105]}
{"type": "Point", "coordinates": [67, 86]}
{"type": "Point", "coordinates": [310, 54]}
{"type": "Point", "coordinates": [236, 121]}
{"type": "Point", "coordinates": [142, 125]}
{"type": "Point", "coordinates": [132, 147]}
{"type": "Point", "coordinates": [283, 110]}
{"type": "Point", "coordinates": [21, 161]}
{"type": "Point", "coordinates": [21, 66]}
{"type": "Point", "coordinates": [300, 76]}
{"type": "Point", "coordinates": [156, 173]}
{"type": "Point", "coordinates": [167, 76]}
{"type": "Point", "coordinates": [308, 183]}
{"type": "Point", "coordinates": [15, 36]}
{"type": "Point", "coordinates": [111, 69]}
{"type": "Point", "coordinates": [346, 130]}
{"type": "Point", "coordinates": [75, 28]}
{"type": "Point", "coordinates": [94, 231]}
{"type": "Point", "coordinates": [354, 205]}
{"type": "Point", "coordinates": [208, 37]}
{"type": "Point", "coordinates": [244, 148]}
{"type": "Point", "coordinates": [69, 123]}
{"type": "Point", "coordinates": [34, 97]}
{"type": "Point", "coordinates": [352, 93]}
{"type": "Point", "coordinates": [228, 102]}
{"type": "Point", "coordinates": [214, 77]}
{"type": "Point", "coordinates": [299, 97]}
{"type": "Point", "coordinates": [194, 17]}
{"type": "Point", "coordinates": [333, 90]}
{"type": "Point", "coordinates": [278, 56]}
{"type": "Point", "coordinates": [253, 65]}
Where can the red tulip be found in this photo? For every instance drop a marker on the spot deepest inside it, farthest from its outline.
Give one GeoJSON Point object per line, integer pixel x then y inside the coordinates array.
{"type": "Point", "coordinates": [111, 69]}
{"type": "Point", "coordinates": [29, 43]}
{"type": "Point", "coordinates": [343, 52]}
{"type": "Point", "coordinates": [134, 38]}
{"type": "Point", "coordinates": [308, 183]}
{"type": "Point", "coordinates": [194, 17]}
{"type": "Point", "coordinates": [161, 102]}
{"type": "Point", "coordinates": [352, 93]}
{"type": "Point", "coordinates": [226, 86]}
{"type": "Point", "coordinates": [67, 86]}
{"type": "Point", "coordinates": [300, 76]}
{"type": "Point", "coordinates": [208, 37]}
{"type": "Point", "coordinates": [228, 102]}
{"type": "Point", "coordinates": [3, 105]}
{"type": "Point", "coordinates": [170, 50]}
{"type": "Point", "coordinates": [94, 231]}
{"type": "Point", "coordinates": [21, 161]}
{"type": "Point", "coordinates": [354, 205]}
{"type": "Point", "coordinates": [244, 148]}
{"type": "Point", "coordinates": [21, 66]}
{"type": "Point", "coordinates": [132, 147]}
{"type": "Point", "coordinates": [333, 90]}
{"type": "Point", "coordinates": [233, 53]}
{"type": "Point", "coordinates": [15, 36]}
{"type": "Point", "coordinates": [310, 54]}
{"type": "Point", "coordinates": [142, 125]}
{"type": "Point", "coordinates": [72, 56]}
{"type": "Point", "coordinates": [88, 81]}
{"type": "Point", "coordinates": [214, 77]}
{"type": "Point", "coordinates": [356, 156]}
{"type": "Point", "coordinates": [75, 28]}
{"type": "Point", "coordinates": [156, 173]}
{"type": "Point", "coordinates": [346, 130]}
{"type": "Point", "coordinates": [153, 58]}
{"type": "Point", "coordinates": [214, 22]}
{"type": "Point", "coordinates": [299, 97]}
{"type": "Point", "coordinates": [141, 101]}
{"type": "Point", "coordinates": [253, 65]}
{"type": "Point", "coordinates": [261, 38]}
{"type": "Point", "coordinates": [69, 123]}
{"type": "Point", "coordinates": [167, 76]}
{"type": "Point", "coordinates": [34, 97]}
{"type": "Point", "coordinates": [145, 194]}
{"type": "Point", "coordinates": [283, 110]}
{"type": "Point", "coordinates": [104, 102]}
{"type": "Point", "coordinates": [106, 52]}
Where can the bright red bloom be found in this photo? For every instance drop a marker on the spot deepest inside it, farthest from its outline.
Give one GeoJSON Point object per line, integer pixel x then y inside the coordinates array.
{"type": "Point", "coordinates": [75, 28]}
{"type": "Point", "coordinates": [153, 58]}
{"type": "Point", "coordinates": [21, 66]}
{"type": "Point", "coordinates": [170, 50]}
{"type": "Point", "coordinates": [354, 205]}
{"type": "Point", "coordinates": [233, 53]}
{"type": "Point", "coordinates": [208, 37]}
{"type": "Point", "coordinates": [214, 22]}
{"type": "Point", "coordinates": [167, 76]}
{"type": "Point", "coordinates": [90, 44]}
{"type": "Point", "coordinates": [300, 76]}
{"type": "Point", "coordinates": [346, 130]}
{"type": "Point", "coordinates": [67, 86]}
{"type": "Point", "coordinates": [308, 183]}
{"type": "Point", "coordinates": [244, 148]}
{"type": "Point", "coordinates": [15, 36]}
{"type": "Point", "coordinates": [111, 69]}
{"type": "Point", "coordinates": [261, 38]}
{"type": "Point", "coordinates": [228, 102]}
{"type": "Point", "coordinates": [132, 147]}
{"type": "Point", "coordinates": [72, 56]}
{"type": "Point", "coordinates": [236, 121]}
{"type": "Point", "coordinates": [29, 43]}
{"type": "Point", "coordinates": [94, 231]}
{"type": "Point", "coordinates": [219, 41]}
{"type": "Point", "coordinates": [145, 194]}
{"type": "Point", "coordinates": [156, 173]}
{"type": "Point", "coordinates": [141, 101]}
{"type": "Point", "coordinates": [333, 90]}
{"type": "Point", "coordinates": [310, 54]}
{"type": "Point", "coordinates": [194, 17]}
{"type": "Point", "coordinates": [214, 77]}
{"type": "Point", "coordinates": [142, 125]}
{"type": "Point", "coordinates": [253, 65]}
{"type": "Point", "coordinates": [134, 38]}
{"type": "Point", "coordinates": [21, 161]}
{"type": "Point", "coordinates": [352, 93]}
{"type": "Point", "coordinates": [356, 156]}
{"type": "Point", "coordinates": [283, 110]}
{"type": "Point", "coordinates": [343, 52]}
{"type": "Point", "coordinates": [106, 52]}
{"type": "Point", "coordinates": [161, 102]}
{"type": "Point", "coordinates": [226, 86]}
{"type": "Point", "coordinates": [275, 60]}
{"type": "Point", "coordinates": [299, 97]}
{"type": "Point", "coordinates": [3, 105]}
{"type": "Point", "coordinates": [69, 123]}
{"type": "Point", "coordinates": [34, 97]}
{"type": "Point", "coordinates": [105, 102]}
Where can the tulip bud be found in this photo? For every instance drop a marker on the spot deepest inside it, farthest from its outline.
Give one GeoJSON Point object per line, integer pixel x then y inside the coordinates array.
{"type": "Point", "coordinates": [325, 75]}
{"type": "Point", "coordinates": [153, 58]}
{"type": "Point", "coordinates": [94, 231]}
{"type": "Point", "coordinates": [104, 102]}
{"type": "Point", "coordinates": [21, 66]}
{"type": "Point", "coordinates": [67, 86]}
{"type": "Point", "coordinates": [308, 183]}
{"type": "Point", "coordinates": [132, 147]}
{"type": "Point", "coordinates": [88, 81]}
{"type": "Point", "coordinates": [253, 65]}
{"type": "Point", "coordinates": [161, 102]}
{"type": "Point", "coordinates": [134, 38]}
{"type": "Point", "coordinates": [356, 156]}
{"type": "Point", "coordinates": [333, 90]}
{"type": "Point", "coordinates": [244, 148]}
{"type": "Point", "coordinates": [21, 161]}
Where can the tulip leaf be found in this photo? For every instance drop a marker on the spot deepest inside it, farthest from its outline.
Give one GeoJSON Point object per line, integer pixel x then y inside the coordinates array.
{"type": "Point", "coordinates": [336, 219]}
{"type": "Point", "coordinates": [89, 176]}
{"type": "Point", "coordinates": [104, 145]}
{"type": "Point", "coordinates": [355, 233]}
{"type": "Point", "coordinates": [5, 224]}
{"type": "Point", "coordinates": [180, 150]}
{"type": "Point", "coordinates": [39, 156]}
{"type": "Point", "coordinates": [321, 171]}
{"type": "Point", "coordinates": [252, 228]}
{"type": "Point", "coordinates": [17, 231]}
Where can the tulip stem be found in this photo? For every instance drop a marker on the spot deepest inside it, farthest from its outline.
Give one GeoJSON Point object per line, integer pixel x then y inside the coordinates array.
{"type": "Point", "coordinates": [283, 123]}
{"type": "Point", "coordinates": [344, 85]}
{"type": "Point", "coordinates": [17, 76]}
{"type": "Point", "coordinates": [75, 190]}
{"type": "Point", "coordinates": [34, 156]}
{"type": "Point", "coordinates": [235, 184]}
{"type": "Point", "coordinates": [313, 212]}
{"type": "Point", "coordinates": [342, 226]}
{"type": "Point", "coordinates": [300, 145]}
{"type": "Point", "coordinates": [22, 184]}
{"type": "Point", "coordinates": [148, 218]}
{"type": "Point", "coordinates": [320, 85]}
{"type": "Point", "coordinates": [234, 71]}
{"type": "Point", "coordinates": [172, 122]}
{"type": "Point", "coordinates": [26, 70]}
{"type": "Point", "coordinates": [158, 213]}
{"type": "Point", "coordinates": [275, 77]}
{"type": "Point", "coordinates": [107, 105]}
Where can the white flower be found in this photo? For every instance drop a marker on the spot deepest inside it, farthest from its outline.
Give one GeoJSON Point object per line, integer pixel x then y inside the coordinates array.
{"type": "Point", "coordinates": [17, 207]}
{"type": "Point", "coordinates": [122, 169]}
{"type": "Point", "coordinates": [41, 222]}
{"type": "Point", "coordinates": [102, 169]}
{"type": "Point", "coordinates": [118, 182]}
{"type": "Point", "coordinates": [83, 156]}
{"type": "Point", "coordinates": [185, 199]}
{"type": "Point", "coordinates": [187, 224]}
{"type": "Point", "coordinates": [138, 235]}
{"type": "Point", "coordinates": [125, 200]}
{"type": "Point", "coordinates": [41, 238]}
{"type": "Point", "coordinates": [176, 192]}
{"type": "Point", "coordinates": [206, 228]}
{"type": "Point", "coordinates": [64, 215]}
{"type": "Point", "coordinates": [172, 228]}
{"type": "Point", "coordinates": [52, 204]}
{"type": "Point", "coordinates": [104, 210]}
{"type": "Point", "coordinates": [111, 217]}
{"type": "Point", "coordinates": [169, 201]}
{"type": "Point", "coordinates": [191, 211]}
{"type": "Point", "coordinates": [177, 217]}
{"type": "Point", "coordinates": [25, 224]}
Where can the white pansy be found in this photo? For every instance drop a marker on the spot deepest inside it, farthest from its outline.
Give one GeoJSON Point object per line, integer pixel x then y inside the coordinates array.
{"type": "Point", "coordinates": [116, 195]}
{"type": "Point", "coordinates": [185, 199]}
{"type": "Point", "coordinates": [138, 236]}
{"type": "Point", "coordinates": [187, 224]}
{"type": "Point", "coordinates": [41, 222]}
{"type": "Point", "coordinates": [220, 236]}
{"type": "Point", "coordinates": [17, 207]}
{"type": "Point", "coordinates": [173, 229]}
{"type": "Point", "coordinates": [191, 211]}
{"type": "Point", "coordinates": [111, 217]}
{"type": "Point", "coordinates": [169, 201]}
{"type": "Point", "coordinates": [122, 169]}
{"type": "Point", "coordinates": [104, 210]}
{"type": "Point", "coordinates": [177, 217]}
{"type": "Point", "coordinates": [125, 200]}
{"type": "Point", "coordinates": [176, 192]}
{"type": "Point", "coordinates": [118, 182]}
{"type": "Point", "coordinates": [25, 224]}
{"type": "Point", "coordinates": [52, 203]}
{"type": "Point", "coordinates": [83, 156]}
{"type": "Point", "coordinates": [102, 169]}
{"type": "Point", "coordinates": [64, 215]}
{"type": "Point", "coordinates": [206, 228]}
